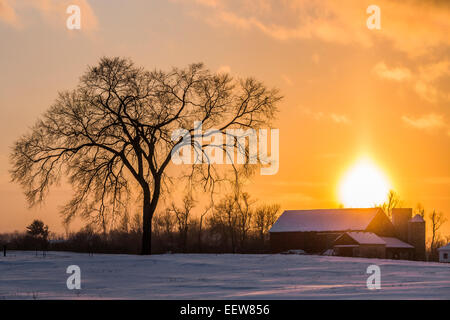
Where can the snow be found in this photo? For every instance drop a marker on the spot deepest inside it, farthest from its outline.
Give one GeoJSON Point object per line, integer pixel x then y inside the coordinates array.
{"type": "Point", "coordinates": [208, 276]}
{"type": "Point", "coordinates": [366, 238]}
{"type": "Point", "coordinates": [324, 220]}
{"type": "Point", "coordinates": [396, 243]}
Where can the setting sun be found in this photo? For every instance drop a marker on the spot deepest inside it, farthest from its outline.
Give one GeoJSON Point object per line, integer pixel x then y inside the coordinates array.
{"type": "Point", "coordinates": [364, 185]}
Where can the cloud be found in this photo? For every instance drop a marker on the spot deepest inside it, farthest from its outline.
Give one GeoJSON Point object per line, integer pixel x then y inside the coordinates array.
{"type": "Point", "coordinates": [53, 11]}
{"type": "Point", "coordinates": [287, 80]}
{"type": "Point", "coordinates": [428, 122]}
{"type": "Point", "coordinates": [7, 13]}
{"type": "Point", "coordinates": [397, 74]}
{"type": "Point", "coordinates": [339, 118]}
{"type": "Point", "coordinates": [224, 69]}
{"type": "Point", "coordinates": [333, 21]}
{"type": "Point", "coordinates": [319, 115]}
{"type": "Point", "coordinates": [424, 81]}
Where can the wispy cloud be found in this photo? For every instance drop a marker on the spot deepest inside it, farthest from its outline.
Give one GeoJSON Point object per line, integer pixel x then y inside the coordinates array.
{"type": "Point", "coordinates": [320, 115]}
{"type": "Point", "coordinates": [423, 81]}
{"type": "Point", "coordinates": [288, 81]}
{"type": "Point", "coordinates": [7, 13]}
{"type": "Point", "coordinates": [340, 118]}
{"type": "Point", "coordinates": [224, 69]}
{"type": "Point", "coordinates": [336, 21]}
{"type": "Point", "coordinates": [52, 11]}
{"type": "Point", "coordinates": [397, 74]}
{"type": "Point", "coordinates": [429, 122]}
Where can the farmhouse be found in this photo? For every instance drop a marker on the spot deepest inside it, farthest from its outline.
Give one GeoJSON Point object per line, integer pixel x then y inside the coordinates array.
{"type": "Point", "coordinates": [444, 253]}
{"type": "Point", "coordinates": [364, 232]}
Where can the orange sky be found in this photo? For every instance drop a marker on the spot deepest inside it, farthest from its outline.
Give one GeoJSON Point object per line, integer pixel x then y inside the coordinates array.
{"type": "Point", "coordinates": [349, 91]}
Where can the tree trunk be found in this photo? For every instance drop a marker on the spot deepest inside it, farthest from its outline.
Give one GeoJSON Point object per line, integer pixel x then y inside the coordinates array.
{"type": "Point", "coordinates": [147, 229]}
{"type": "Point", "coordinates": [200, 234]}
{"type": "Point", "coordinates": [149, 209]}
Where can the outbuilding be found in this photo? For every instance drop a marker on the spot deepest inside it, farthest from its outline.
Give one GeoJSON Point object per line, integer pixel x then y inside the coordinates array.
{"type": "Point", "coordinates": [360, 244]}
{"type": "Point", "coordinates": [444, 253]}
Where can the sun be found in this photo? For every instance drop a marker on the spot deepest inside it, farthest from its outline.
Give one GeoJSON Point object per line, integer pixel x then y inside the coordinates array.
{"type": "Point", "coordinates": [363, 186]}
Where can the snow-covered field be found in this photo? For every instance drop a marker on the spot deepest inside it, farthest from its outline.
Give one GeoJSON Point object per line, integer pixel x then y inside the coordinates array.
{"type": "Point", "coordinates": [206, 276]}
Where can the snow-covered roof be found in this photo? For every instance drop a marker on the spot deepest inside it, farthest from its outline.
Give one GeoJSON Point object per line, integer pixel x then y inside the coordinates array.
{"type": "Point", "coordinates": [447, 247]}
{"type": "Point", "coordinates": [417, 218]}
{"type": "Point", "coordinates": [395, 243]}
{"type": "Point", "coordinates": [365, 237]}
{"type": "Point", "coordinates": [372, 238]}
{"type": "Point", "coordinates": [324, 220]}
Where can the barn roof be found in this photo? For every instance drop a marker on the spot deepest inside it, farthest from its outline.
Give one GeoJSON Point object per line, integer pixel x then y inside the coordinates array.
{"type": "Point", "coordinates": [366, 238]}
{"type": "Point", "coordinates": [396, 243]}
{"type": "Point", "coordinates": [324, 220]}
{"type": "Point", "coordinates": [372, 238]}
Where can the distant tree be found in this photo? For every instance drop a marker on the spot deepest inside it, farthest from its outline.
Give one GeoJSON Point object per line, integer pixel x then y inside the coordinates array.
{"type": "Point", "coordinates": [265, 217]}
{"type": "Point", "coordinates": [124, 225]}
{"type": "Point", "coordinates": [165, 222]}
{"type": "Point", "coordinates": [111, 136]}
{"type": "Point", "coordinates": [244, 216]}
{"type": "Point", "coordinates": [224, 220]}
{"type": "Point", "coordinates": [200, 227]}
{"type": "Point", "coordinates": [136, 223]}
{"type": "Point", "coordinates": [183, 219]}
{"type": "Point", "coordinates": [437, 219]}
{"type": "Point", "coordinates": [38, 230]}
{"type": "Point", "coordinates": [420, 210]}
{"type": "Point", "coordinates": [393, 201]}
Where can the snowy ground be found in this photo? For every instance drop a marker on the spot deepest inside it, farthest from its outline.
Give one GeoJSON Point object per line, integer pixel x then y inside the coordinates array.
{"type": "Point", "coordinates": [200, 276]}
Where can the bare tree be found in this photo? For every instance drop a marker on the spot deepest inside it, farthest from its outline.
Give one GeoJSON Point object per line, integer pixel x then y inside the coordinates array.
{"type": "Point", "coordinates": [200, 227]}
{"type": "Point", "coordinates": [111, 136]}
{"type": "Point", "coordinates": [437, 220]}
{"type": "Point", "coordinates": [224, 220]}
{"type": "Point", "coordinates": [136, 223]}
{"type": "Point", "coordinates": [392, 202]}
{"type": "Point", "coordinates": [183, 218]}
{"type": "Point", "coordinates": [420, 210]}
{"type": "Point", "coordinates": [124, 225]}
{"type": "Point", "coordinates": [244, 216]}
{"type": "Point", "coordinates": [165, 222]}
{"type": "Point", "coordinates": [265, 217]}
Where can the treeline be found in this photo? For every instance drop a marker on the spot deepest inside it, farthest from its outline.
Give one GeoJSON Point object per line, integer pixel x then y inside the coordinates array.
{"type": "Point", "coordinates": [234, 225]}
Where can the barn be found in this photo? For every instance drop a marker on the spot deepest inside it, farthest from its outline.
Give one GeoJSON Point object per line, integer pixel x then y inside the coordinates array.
{"type": "Point", "coordinates": [366, 232]}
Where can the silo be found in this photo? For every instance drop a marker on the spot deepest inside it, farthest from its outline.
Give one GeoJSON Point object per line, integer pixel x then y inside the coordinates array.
{"type": "Point", "coordinates": [400, 218]}
{"type": "Point", "coordinates": [416, 236]}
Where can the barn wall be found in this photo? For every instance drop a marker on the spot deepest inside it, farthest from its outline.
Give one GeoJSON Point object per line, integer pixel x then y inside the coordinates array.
{"type": "Point", "coordinates": [363, 251]}
{"type": "Point", "coordinates": [372, 251]}
{"type": "Point", "coordinates": [310, 242]}
{"type": "Point", "coordinates": [400, 253]}
{"type": "Point", "coordinates": [381, 225]}
{"type": "Point", "coordinates": [346, 251]}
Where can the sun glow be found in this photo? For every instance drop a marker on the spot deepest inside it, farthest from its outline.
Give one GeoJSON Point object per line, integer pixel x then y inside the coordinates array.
{"type": "Point", "coordinates": [363, 186]}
